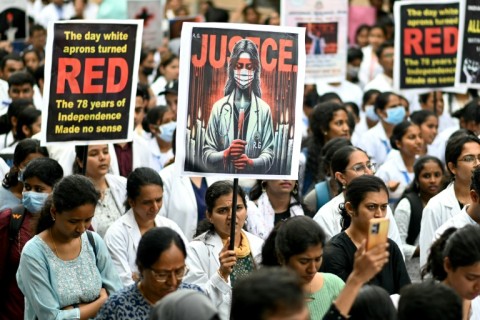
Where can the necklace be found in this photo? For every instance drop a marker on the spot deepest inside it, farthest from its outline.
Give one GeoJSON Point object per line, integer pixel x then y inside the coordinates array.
{"type": "Point", "coordinates": [143, 293]}
{"type": "Point", "coordinates": [54, 244]}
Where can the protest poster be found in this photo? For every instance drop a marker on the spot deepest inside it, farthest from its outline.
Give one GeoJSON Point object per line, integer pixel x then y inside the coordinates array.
{"type": "Point", "coordinates": [91, 75]}
{"type": "Point", "coordinates": [468, 57]}
{"type": "Point", "coordinates": [425, 44]}
{"type": "Point", "coordinates": [240, 100]}
{"type": "Point", "coordinates": [13, 20]}
{"type": "Point", "coordinates": [151, 12]}
{"type": "Point", "coordinates": [326, 24]}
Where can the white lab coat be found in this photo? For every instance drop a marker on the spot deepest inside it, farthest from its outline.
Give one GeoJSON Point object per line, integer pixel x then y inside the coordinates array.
{"type": "Point", "coordinates": [376, 144]}
{"type": "Point", "coordinates": [203, 264]}
{"type": "Point", "coordinates": [329, 218]}
{"type": "Point", "coordinates": [179, 202]}
{"type": "Point", "coordinates": [394, 170]}
{"type": "Point", "coordinates": [122, 240]}
{"type": "Point", "coordinates": [438, 210]}
{"type": "Point", "coordinates": [118, 187]}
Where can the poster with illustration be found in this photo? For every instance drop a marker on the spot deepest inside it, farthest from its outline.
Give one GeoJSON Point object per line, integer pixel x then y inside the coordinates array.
{"type": "Point", "coordinates": [240, 100]}
{"type": "Point", "coordinates": [151, 12]}
{"type": "Point", "coordinates": [468, 58]}
{"type": "Point", "coordinates": [13, 20]}
{"type": "Point", "coordinates": [326, 24]}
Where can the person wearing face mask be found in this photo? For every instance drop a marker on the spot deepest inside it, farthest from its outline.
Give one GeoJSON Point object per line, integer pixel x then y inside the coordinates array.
{"type": "Point", "coordinates": [39, 177]}
{"type": "Point", "coordinates": [368, 117]}
{"type": "Point", "coordinates": [239, 134]}
{"type": "Point", "coordinates": [376, 141]}
{"type": "Point", "coordinates": [145, 72]}
{"type": "Point", "coordinates": [161, 125]}
{"type": "Point", "coordinates": [354, 60]}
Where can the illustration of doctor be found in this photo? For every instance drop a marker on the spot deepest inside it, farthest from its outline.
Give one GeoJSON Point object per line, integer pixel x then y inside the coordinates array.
{"type": "Point", "coordinates": [239, 135]}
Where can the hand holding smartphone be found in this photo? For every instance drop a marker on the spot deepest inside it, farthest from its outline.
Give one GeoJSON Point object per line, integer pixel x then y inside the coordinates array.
{"type": "Point", "coordinates": [377, 232]}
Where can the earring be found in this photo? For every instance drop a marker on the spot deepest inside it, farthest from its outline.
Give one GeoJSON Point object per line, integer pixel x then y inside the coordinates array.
{"type": "Point", "coordinates": [325, 133]}
{"type": "Point", "coordinates": [53, 218]}
{"type": "Point", "coordinates": [344, 186]}
{"type": "Point", "coordinates": [264, 186]}
{"type": "Point", "coordinates": [295, 188]}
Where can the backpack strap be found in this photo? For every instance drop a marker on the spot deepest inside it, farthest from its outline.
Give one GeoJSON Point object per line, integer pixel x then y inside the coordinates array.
{"type": "Point", "coordinates": [416, 210]}
{"type": "Point", "coordinates": [323, 194]}
{"type": "Point", "coordinates": [92, 243]}
{"type": "Point", "coordinates": [16, 221]}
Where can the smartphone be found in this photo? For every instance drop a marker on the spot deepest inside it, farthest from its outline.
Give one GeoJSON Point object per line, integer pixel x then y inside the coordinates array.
{"type": "Point", "coordinates": [377, 232]}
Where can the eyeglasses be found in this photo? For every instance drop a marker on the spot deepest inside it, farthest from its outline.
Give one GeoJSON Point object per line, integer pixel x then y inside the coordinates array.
{"type": "Point", "coordinates": [163, 276]}
{"type": "Point", "coordinates": [362, 168]}
{"type": "Point", "coordinates": [470, 158]}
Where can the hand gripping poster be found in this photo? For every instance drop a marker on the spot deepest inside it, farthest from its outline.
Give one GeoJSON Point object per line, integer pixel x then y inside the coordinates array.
{"type": "Point", "coordinates": [240, 100]}
{"type": "Point", "coordinates": [326, 24]}
{"type": "Point", "coordinates": [425, 44]}
{"type": "Point", "coordinates": [468, 57]}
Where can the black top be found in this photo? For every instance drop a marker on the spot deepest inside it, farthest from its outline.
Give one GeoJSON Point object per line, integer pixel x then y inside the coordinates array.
{"type": "Point", "coordinates": [281, 216]}
{"type": "Point", "coordinates": [338, 258]}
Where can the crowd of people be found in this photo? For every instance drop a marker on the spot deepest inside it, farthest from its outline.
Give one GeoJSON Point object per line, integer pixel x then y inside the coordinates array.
{"type": "Point", "coordinates": [110, 231]}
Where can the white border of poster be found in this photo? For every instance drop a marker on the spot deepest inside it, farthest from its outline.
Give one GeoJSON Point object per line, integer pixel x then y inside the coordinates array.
{"type": "Point", "coordinates": [398, 47]}
{"type": "Point", "coordinates": [326, 40]}
{"type": "Point", "coordinates": [186, 87]}
{"type": "Point", "coordinates": [463, 35]}
{"type": "Point", "coordinates": [48, 78]}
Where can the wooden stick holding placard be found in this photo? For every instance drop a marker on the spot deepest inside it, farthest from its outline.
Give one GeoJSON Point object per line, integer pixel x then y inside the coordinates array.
{"type": "Point", "coordinates": [233, 220]}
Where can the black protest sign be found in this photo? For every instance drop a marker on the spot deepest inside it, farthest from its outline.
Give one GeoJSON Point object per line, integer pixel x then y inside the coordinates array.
{"type": "Point", "coordinates": [426, 44]}
{"type": "Point", "coordinates": [91, 79]}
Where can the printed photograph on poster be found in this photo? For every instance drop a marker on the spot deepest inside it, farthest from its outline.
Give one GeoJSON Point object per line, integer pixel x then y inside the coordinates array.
{"type": "Point", "coordinates": [468, 55]}
{"type": "Point", "coordinates": [320, 38]}
{"type": "Point", "coordinates": [13, 20]}
{"type": "Point", "coordinates": [240, 100]}
{"type": "Point", "coordinates": [91, 75]}
{"type": "Point", "coordinates": [326, 24]}
{"type": "Point", "coordinates": [426, 44]}
{"type": "Point", "coordinates": [151, 12]}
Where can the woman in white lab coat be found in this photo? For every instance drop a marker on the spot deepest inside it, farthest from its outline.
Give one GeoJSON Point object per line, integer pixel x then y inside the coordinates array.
{"type": "Point", "coordinates": [112, 187]}
{"type": "Point", "coordinates": [397, 171]}
{"type": "Point", "coordinates": [144, 199]}
{"type": "Point", "coordinates": [212, 266]}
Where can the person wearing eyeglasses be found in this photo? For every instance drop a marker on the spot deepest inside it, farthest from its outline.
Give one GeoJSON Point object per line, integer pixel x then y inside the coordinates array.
{"type": "Point", "coordinates": [462, 156]}
{"type": "Point", "coordinates": [348, 163]}
{"type": "Point", "coordinates": [397, 171]}
{"type": "Point", "coordinates": [161, 262]}
{"type": "Point", "coordinates": [144, 200]}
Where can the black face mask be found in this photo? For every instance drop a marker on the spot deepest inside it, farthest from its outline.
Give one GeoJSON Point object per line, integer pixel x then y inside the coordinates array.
{"type": "Point", "coordinates": [147, 71]}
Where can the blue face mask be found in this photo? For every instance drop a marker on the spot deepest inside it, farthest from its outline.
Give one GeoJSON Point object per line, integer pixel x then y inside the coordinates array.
{"type": "Point", "coordinates": [33, 201]}
{"type": "Point", "coordinates": [370, 113]}
{"type": "Point", "coordinates": [395, 115]}
{"type": "Point", "coordinates": [166, 131]}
